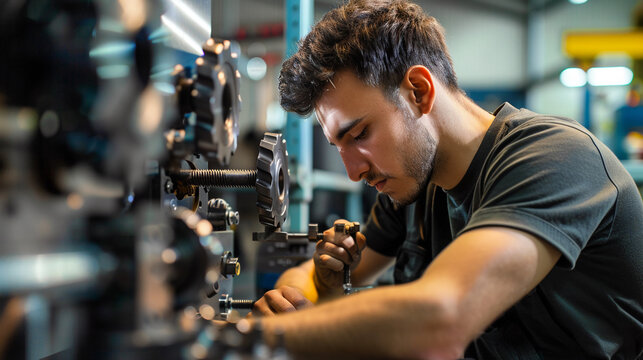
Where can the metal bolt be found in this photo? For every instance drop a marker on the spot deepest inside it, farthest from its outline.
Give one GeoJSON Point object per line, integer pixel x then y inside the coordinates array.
{"type": "Point", "coordinates": [226, 303]}
{"type": "Point", "coordinates": [216, 177]}
{"type": "Point", "coordinates": [233, 217]}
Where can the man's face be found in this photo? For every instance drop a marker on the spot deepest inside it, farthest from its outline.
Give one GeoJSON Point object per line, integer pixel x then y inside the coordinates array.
{"type": "Point", "coordinates": [379, 143]}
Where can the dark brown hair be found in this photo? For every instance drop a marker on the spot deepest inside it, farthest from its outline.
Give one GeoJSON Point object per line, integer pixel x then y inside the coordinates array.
{"type": "Point", "coordinates": [376, 39]}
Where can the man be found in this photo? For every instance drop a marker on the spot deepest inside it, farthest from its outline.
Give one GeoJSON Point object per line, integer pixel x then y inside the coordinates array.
{"type": "Point", "coordinates": [526, 239]}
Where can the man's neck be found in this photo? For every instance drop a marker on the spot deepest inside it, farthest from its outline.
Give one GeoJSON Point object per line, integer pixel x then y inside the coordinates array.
{"type": "Point", "coordinates": [461, 125]}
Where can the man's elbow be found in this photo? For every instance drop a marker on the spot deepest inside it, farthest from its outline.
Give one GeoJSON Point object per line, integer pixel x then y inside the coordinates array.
{"type": "Point", "coordinates": [448, 330]}
{"type": "Point", "coordinates": [441, 328]}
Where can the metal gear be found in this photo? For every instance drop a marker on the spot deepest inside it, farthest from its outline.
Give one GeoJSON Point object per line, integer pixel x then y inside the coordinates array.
{"type": "Point", "coordinates": [273, 180]}
{"type": "Point", "coordinates": [217, 101]}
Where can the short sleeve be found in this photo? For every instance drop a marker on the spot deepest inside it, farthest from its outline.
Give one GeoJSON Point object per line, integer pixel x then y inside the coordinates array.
{"type": "Point", "coordinates": [385, 228]}
{"type": "Point", "coordinates": [546, 178]}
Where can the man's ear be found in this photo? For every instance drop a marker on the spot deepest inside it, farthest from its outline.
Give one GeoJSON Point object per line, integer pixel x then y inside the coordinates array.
{"type": "Point", "coordinates": [418, 84]}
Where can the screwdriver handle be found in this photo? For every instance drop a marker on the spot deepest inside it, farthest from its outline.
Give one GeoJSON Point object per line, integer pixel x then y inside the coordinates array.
{"type": "Point", "coordinates": [350, 228]}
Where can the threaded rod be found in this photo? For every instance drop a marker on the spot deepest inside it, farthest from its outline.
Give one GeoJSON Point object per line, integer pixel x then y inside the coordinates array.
{"type": "Point", "coordinates": [223, 178]}
{"type": "Point", "coordinates": [242, 304]}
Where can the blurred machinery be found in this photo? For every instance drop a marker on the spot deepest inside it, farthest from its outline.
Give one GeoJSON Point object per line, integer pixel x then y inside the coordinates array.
{"type": "Point", "coordinates": [115, 243]}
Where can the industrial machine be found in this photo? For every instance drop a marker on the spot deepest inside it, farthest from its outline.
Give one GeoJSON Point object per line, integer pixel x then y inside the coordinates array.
{"type": "Point", "coordinates": [116, 243]}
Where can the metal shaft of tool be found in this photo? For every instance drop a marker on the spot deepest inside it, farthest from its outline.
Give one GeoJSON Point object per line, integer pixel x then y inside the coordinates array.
{"type": "Point", "coordinates": [350, 229]}
{"type": "Point", "coordinates": [348, 287]}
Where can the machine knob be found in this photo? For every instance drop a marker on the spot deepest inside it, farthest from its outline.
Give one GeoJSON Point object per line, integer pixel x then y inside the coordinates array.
{"type": "Point", "coordinates": [230, 265]}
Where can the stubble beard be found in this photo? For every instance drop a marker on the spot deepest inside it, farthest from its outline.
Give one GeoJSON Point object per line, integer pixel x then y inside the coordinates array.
{"type": "Point", "coordinates": [417, 156]}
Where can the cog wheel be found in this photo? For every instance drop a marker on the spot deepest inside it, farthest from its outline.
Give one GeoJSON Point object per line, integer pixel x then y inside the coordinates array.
{"type": "Point", "coordinates": [217, 101]}
{"type": "Point", "coordinates": [273, 180]}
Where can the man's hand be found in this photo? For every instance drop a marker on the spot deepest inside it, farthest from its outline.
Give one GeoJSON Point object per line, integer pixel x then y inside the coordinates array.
{"type": "Point", "coordinates": [282, 299]}
{"type": "Point", "coordinates": [331, 253]}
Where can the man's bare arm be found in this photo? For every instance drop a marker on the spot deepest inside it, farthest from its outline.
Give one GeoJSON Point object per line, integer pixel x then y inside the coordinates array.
{"type": "Point", "coordinates": [472, 282]}
{"type": "Point", "coordinates": [301, 278]}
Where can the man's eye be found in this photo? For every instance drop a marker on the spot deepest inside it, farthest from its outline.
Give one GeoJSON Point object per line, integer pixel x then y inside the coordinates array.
{"type": "Point", "coordinates": [361, 135]}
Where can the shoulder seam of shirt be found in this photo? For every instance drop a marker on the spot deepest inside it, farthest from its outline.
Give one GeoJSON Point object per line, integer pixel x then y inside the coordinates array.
{"type": "Point", "coordinates": [558, 120]}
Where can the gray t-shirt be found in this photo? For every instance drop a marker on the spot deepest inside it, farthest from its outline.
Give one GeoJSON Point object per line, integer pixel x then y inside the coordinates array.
{"type": "Point", "coordinates": [550, 177]}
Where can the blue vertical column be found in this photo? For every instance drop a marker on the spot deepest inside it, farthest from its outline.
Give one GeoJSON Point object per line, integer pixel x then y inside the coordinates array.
{"type": "Point", "coordinates": [354, 211]}
{"type": "Point", "coordinates": [299, 131]}
{"type": "Point", "coordinates": [587, 107]}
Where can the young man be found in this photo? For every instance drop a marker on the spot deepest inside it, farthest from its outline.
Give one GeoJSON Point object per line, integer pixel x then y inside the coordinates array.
{"type": "Point", "coordinates": [526, 239]}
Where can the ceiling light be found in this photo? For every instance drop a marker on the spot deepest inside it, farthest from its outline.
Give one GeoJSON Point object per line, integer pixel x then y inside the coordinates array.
{"type": "Point", "coordinates": [573, 77]}
{"type": "Point", "coordinates": [609, 76]}
{"type": "Point", "coordinates": [256, 68]}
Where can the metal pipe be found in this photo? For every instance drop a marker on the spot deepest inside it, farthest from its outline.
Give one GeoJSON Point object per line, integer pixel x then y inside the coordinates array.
{"type": "Point", "coordinates": [42, 272]}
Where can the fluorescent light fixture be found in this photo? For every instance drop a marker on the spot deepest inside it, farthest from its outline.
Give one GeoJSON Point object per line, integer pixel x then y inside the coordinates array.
{"type": "Point", "coordinates": [609, 76]}
{"type": "Point", "coordinates": [176, 30]}
{"type": "Point", "coordinates": [573, 77]}
{"type": "Point", "coordinates": [577, 2]}
{"type": "Point", "coordinates": [50, 270]}
{"type": "Point", "coordinates": [192, 16]}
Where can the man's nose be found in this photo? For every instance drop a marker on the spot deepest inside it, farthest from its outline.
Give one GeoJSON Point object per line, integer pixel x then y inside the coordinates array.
{"type": "Point", "coordinates": [355, 163]}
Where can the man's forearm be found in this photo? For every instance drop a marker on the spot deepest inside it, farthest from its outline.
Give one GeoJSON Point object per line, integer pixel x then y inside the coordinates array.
{"type": "Point", "coordinates": [301, 277]}
{"type": "Point", "coordinates": [466, 287]}
{"type": "Point", "coordinates": [384, 322]}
